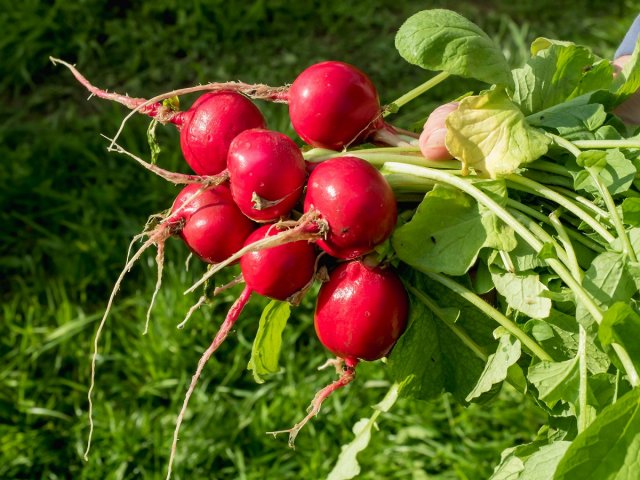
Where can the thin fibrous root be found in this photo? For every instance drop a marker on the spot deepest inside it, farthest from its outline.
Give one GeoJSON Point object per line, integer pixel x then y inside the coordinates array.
{"type": "Point", "coordinates": [309, 227]}
{"type": "Point", "coordinates": [297, 297]}
{"type": "Point", "coordinates": [173, 177]}
{"type": "Point", "coordinates": [157, 237]}
{"type": "Point", "coordinates": [256, 91]}
{"type": "Point", "coordinates": [347, 375]}
{"type": "Point", "coordinates": [160, 265]}
{"type": "Point", "coordinates": [154, 107]}
{"type": "Point", "coordinates": [130, 102]}
{"type": "Point", "coordinates": [203, 299]}
{"type": "Point", "coordinates": [225, 328]}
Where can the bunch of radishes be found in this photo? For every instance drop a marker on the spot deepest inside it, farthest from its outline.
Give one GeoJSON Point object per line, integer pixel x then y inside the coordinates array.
{"type": "Point", "coordinates": [256, 200]}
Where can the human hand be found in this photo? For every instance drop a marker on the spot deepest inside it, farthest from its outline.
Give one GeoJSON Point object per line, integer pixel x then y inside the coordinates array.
{"type": "Point", "coordinates": [629, 110]}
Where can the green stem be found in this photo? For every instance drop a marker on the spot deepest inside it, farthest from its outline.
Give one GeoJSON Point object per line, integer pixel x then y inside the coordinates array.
{"type": "Point", "coordinates": [550, 180]}
{"type": "Point", "coordinates": [586, 241]}
{"type": "Point", "coordinates": [573, 264]}
{"type": "Point", "coordinates": [606, 195]}
{"type": "Point", "coordinates": [416, 92]}
{"type": "Point", "coordinates": [321, 154]}
{"type": "Point", "coordinates": [437, 311]}
{"type": "Point", "coordinates": [541, 233]}
{"type": "Point", "coordinates": [537, 188]}
{"type": "Point", "coordinates": [379, 156]}
{"type": "Point", "coordinates": [627, 248]}
{"type": "Point", "coordinates": [627, 364]}
{"type": "Point", "coordinates": [507, 218]}
{"type": "Point", "coordinates": [407, 183]}
{"type": "Point", "coordinates": [566, 144]}
{"type": "Point", "coordinates": [601, 144]}
{"type": "Point", "coordinates": [457, 330]}
{"type": "Point", "coordinates": [583, 387]}
{"type": "Point", "coordinates": [491, 312]}
{"type": "Point", "coordinates": [584, 201]}
{"type": "Point", "coordinates": [379, 159]}
{"type": "Point", "coordinates": [545, 166]}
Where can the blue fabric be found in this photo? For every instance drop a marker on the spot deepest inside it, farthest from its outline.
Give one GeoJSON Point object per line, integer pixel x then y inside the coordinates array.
{"type": "Point", "coordinates": [629, 41]}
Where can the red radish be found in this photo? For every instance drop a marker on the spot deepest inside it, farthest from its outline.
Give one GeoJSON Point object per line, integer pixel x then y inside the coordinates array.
{"type": "Point", "coordinates": [357, 203]}
{"type": "Point", "coordinates": [361, 311]}
{"type": "Point", "coordinates": [279, 273]}
{"type": "Point", "coordinates": [266, 174]}
{"type": "Point", "coordinates": [213, 226]}
{"type": "Point", "coordinates": [333, 104]}
{"type": "Point", "coordinates": [210, 125]}
{"type": "Point", "coordinates": [349, 209]}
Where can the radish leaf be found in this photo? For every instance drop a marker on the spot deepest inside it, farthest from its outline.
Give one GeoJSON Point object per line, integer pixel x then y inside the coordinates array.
{"type": "Point", "coordinates": [443, 40]}
{"type": "Point", "coordinates": [489, 134]}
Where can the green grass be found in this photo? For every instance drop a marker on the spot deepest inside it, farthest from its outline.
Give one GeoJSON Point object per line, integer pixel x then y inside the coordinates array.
{"type": "Point", "coordinates": [69, 209]}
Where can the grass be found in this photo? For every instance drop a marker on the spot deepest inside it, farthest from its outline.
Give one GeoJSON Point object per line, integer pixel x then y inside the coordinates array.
{"type": "Point", "coordinates": [69, 209]}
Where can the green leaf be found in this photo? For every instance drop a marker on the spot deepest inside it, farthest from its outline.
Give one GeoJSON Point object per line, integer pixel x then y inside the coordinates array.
{"type": "Point", "coordinates": [347, 466]}
{"type": "Point", "coordinates": [265, 352]}
{"type": "Point", "coordinates": [431, 355]}
{"type": "Point", "coordinates": [557, 72]}
{"type": "Point", "coordinates": [530, 461]}
{"type": "Point", "coordinates": [445, 234]}
{"type": "Point", "coordinates": [496, 369]}
{"type": "Point", "coordinates": [570, 117]}
{"type": "Point", "coordinates": [610, 447]}
{"type": "Point", "coordinates": [523, 292]}
{"type": "Point", "coordinates": [608, 280]}
{"type": "Point", "coordinates": [450, 228]}
{"type": "Point", "coordinates": [558, 334]}
{"type": "Point", "coordinates": [631, 211]}
{"type": "Point", "coordinates": [500, 236]}
{"type": "Point", "coordinates": [615, 170]}
{"type": "Point", "coordinates": [443, 40]}
{"type": "Point", "coordinates": [555, 381]}
{"type": "Point", "coordinates": [489, 134]}
{"type": "Point", "coordinates": [621, 325]}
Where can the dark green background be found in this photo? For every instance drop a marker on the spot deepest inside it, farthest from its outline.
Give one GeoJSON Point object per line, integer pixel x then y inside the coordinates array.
{"type": "Point", "coordinates": [68, 209]}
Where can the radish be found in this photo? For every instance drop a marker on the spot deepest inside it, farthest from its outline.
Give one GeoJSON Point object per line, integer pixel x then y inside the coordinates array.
{"type": "Point", "coordinates": [209, 126]}
{"type": "Point", "coordinates": [334, 105]}
{"type": "Point", "coordinates": [361, 311]}
{"type": "Point", "coordinates": [349, 209]}
{"type": "Point", "coordinates": [357, 203]}
{"type": "Point", "coordinates": [434, 132]}
{"type": "Point", "coordinates": [212, 226]}
{"type": "Point", "coordinates": [266, 174]}
{"type": "Point", "coordinates": [208, 221]}
{"type": "Point", "coordinates": [281, 272]}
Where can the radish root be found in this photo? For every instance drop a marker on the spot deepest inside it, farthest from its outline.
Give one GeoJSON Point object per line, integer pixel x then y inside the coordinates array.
{"type": "Point", "coordinates": [160, 264]}
{"type": "Point", "coordinates": [347, 375]}
{"type": "Point", "coordinates": [173, 177]}
{"type": "Point", "coordinates": [203, 299]}
{"type": "Point", "coordinates": [309, 227]}
{"type": "Point", "coordinates": [157, 237]}
{"type": "Point", "coordinates": [225, 328]}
